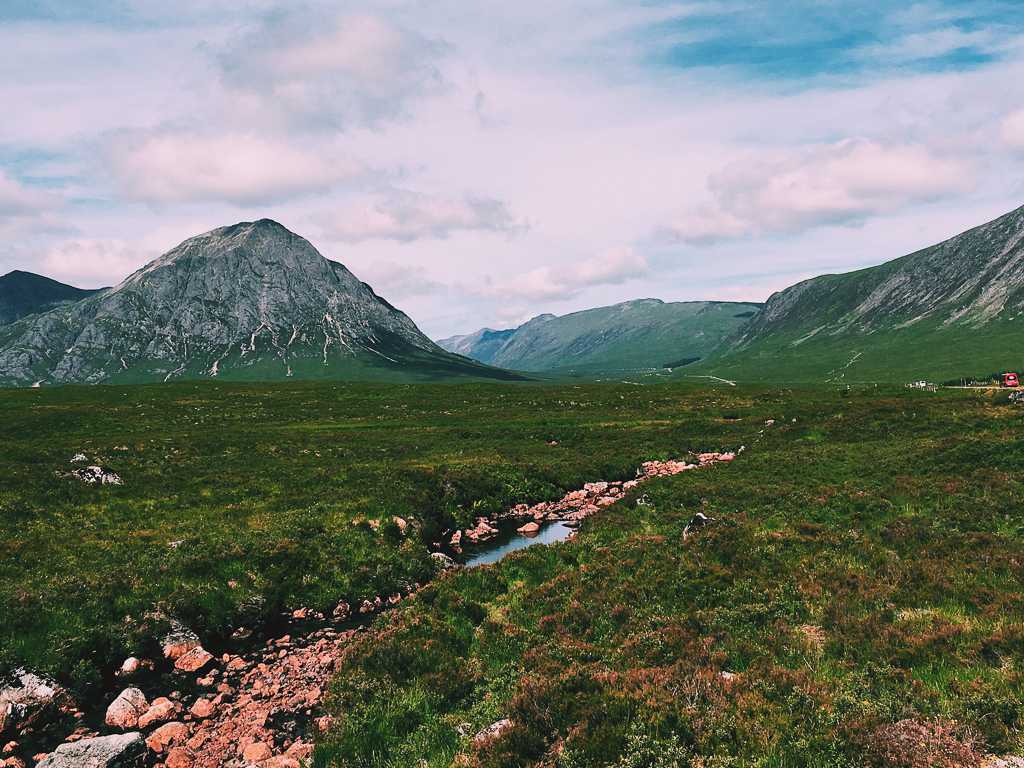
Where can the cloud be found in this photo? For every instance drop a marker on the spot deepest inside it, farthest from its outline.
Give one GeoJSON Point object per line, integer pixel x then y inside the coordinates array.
{"type": "Point", "coordinates": [394, 279]}
{"type": "Point", "coordinates": [405, 216]}
{"type": "Point", "coordinates": [18, 199]}
{"type": "Point", "coordinates": [842, 183]}
{"type": "Point", "coordinates": [169, 167]}
{"type": "Point", "coordinates": [612, 267]}
{"type": "Point", "coordinates": [92, 262]}
{"type": "Point", "coordinates": [305, 69]}
{"type": "Point", "coordinates": [1013, 130]}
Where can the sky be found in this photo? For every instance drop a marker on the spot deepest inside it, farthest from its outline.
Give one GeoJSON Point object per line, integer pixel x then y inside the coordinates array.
{"type": "Point", "coordinates": [481, 163]}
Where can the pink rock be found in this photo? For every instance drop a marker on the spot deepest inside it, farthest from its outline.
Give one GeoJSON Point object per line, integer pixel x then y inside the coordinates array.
{"type": "Point", "coordinates": [179, 758]}
{"type": "Point", "coordinates": [530, 529]}
{"type": "Point", "coordinates": [202, 709]}
{"type": "Point", "coordinates": [159, 711]}
{"type": "Point", "coordinates": [166, 736]}
{"type": "Point", "coordinates": [256, 752]}
{"type": "Point", "coordinates": [194, 660]}
{"type": "Point", "coordinates": [125, 710]}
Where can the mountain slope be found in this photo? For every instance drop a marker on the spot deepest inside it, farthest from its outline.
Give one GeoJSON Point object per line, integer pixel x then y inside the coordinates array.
{"type": "Point", "coordinates": [24, 293]}
{"type": "Point", "coordinates": [251, 301]}
{"type": "Point", "coordinates": [636, 335]}
{"type": "Point", "coordinates": [947, 311]}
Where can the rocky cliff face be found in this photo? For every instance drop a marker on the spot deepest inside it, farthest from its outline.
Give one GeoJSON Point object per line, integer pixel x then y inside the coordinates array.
{"type": "Point", "coordinates": [635, 335]}
{"type": "Point", "coordinates": [252, 300]}
{"type": "Point", "coordinates": [23, 294]}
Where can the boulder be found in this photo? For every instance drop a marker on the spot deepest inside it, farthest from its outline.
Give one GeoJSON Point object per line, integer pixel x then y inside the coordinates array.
{"type": "Point", "coordinates": [342, 611]}
{"type": "Point", "coordinates": [96, 476]}
{"type": "Point", "coordinates": [124, 712]}
{"type": "Point", "coordinates": [125, 750]}
{"type": "Point", "coordinates": [129, 667]}
{"type": "Point", "coordinates": [27, 699]}
{"type": "Point", "coordinates": [443, 561]}
{"type": "Point", "coordinates": [530, 529]}
{"type": "Point", "coordinates": [179, 641]}
{"type": "Point", "coordinates": [493, 731]}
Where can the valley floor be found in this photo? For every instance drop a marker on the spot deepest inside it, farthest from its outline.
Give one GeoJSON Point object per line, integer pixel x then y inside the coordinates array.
{"type": "Point", "coordinates": [857, 600]}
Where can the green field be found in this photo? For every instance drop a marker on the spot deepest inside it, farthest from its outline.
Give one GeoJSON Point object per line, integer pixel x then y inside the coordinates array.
{"type": "Point", "coordinates": [864, 576]}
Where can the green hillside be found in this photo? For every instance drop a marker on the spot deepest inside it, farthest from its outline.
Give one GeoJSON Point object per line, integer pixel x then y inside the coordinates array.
{"type": "Point", "coordinates": [625, 338]}
{"type": "Point", "coordinates": [943, 313]}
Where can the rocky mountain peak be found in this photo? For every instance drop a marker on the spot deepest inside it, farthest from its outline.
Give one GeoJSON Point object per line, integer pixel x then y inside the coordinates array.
{"type": "Point", "coordinates": [252, 298]}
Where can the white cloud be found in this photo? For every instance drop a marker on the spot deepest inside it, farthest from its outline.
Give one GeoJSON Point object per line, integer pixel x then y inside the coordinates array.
{"type": "Point", "coordinates": [1013, 130]}
{"type": "Point", "coordinates": [310, 69]}
{"type": "Point", "coordinates": [831, 184]}
{"type": "Point", "coordinates": [405, 216]}
{"type": "Point", "coordinates": [552, 283]}
{"type": "Point", "coordinates": [172, 167]}
{"type": "Point", "coordinates": [18, 199]}
{"type": "Point", "coordinates": [92, 263]}
{"type": "Point", "coordinates": [394, 279]}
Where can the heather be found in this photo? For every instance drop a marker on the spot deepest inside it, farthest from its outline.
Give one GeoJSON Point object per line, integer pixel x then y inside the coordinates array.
{"type": "Point", "coordinates": [856, 601]}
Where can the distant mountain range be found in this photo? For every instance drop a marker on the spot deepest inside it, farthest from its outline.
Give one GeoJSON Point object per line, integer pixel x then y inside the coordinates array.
{"type": "Point", "coordinates": [23, 294]}
{"type": "Point", "coordinates": [949, 311]}
{"type": "Point", "coordinates": [251, 301]}
{"type": "Point", "coordinates": [624, 338]}
{"type": "Point", "coordinates": [255, 301]}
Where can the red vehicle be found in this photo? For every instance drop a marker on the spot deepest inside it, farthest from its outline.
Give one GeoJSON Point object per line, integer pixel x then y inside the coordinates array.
{"type": "Point", "coordinates": [1010, 380]}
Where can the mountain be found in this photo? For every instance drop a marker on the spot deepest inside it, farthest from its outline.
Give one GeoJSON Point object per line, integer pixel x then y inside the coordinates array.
{"type": "Point", "coordinates": [23, 294]}
{"type": "Point", "coordinates": [637, 335]}
{"type": "Point", "coordinates": [484, 345]}
{"type": "Point", "coordinates": [953, 310]}
{"type": "Point", "coordinates": [252, 301]}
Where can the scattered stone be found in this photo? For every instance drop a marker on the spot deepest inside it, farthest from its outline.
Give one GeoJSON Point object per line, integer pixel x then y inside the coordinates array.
{"type": "Point", "coordinates": [27, 700]}
{"type": "Point", "coordinates": [256, 752]}
{"type": "Point", "coordinates": [124, 712]}
{"type": "Point", "coordinates": [129, 667]}
{"type": "Point", "coordinates": [443, 561]}
{"type": "Point", "coordinates": [530, 529]}
{"type": "Point", "coordinates": [95, 475]}
{"type": "Point", "coordinates": [166, 736]}
{"type": "Point", "coordinates": [194, 660]}
{"type": "Point", "coordinates": [493, 731]}
{"type": "Point", "coordinates": [342, 611]}
{"type": "Point", "coordinates": [126, 750]}
{"type": "Point", "coordinates": [202, 709]}
{"type": "Point", "coordinates": [79, 458]}
{"type": "Point", "coordinates": [401, 523]}
{"type": "Point", "coordinates": [160, 711]}
{"type": "Point", "coordinates": [179, 641]}
{"type": "Point", "coordinates": [179, 757]}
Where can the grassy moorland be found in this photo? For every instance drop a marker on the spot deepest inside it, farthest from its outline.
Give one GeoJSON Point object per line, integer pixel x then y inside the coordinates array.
{"type": "Point", "coordinates": [240, 500]}
{"type": "Point", "coordinates": [858, 601]}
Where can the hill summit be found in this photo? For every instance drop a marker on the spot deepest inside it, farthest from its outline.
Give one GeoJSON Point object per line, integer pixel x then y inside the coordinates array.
{"type": "Point", "coordinates": [25, 293]}
{"type": "Point", "coordinates": [248, 301]}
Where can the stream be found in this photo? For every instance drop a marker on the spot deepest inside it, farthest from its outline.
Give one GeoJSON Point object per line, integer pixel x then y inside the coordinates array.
{"type": "Point", "coordinates": [509, 541]}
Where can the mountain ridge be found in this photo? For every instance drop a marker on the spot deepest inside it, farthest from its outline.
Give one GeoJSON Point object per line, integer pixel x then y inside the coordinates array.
{"type": "Point", "coordinates": [642, 334]}
{"type": "Point", "coordinates": [948, 310]}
